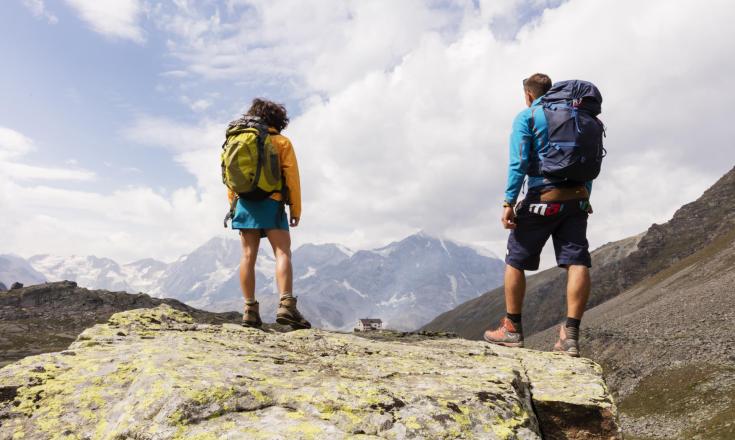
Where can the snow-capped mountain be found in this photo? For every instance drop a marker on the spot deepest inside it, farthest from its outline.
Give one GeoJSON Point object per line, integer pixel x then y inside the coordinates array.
{"type": "Point", "coordinates": [14, 268]}
{"type": "Point", "coordinates": [101, 273]}
{"type": "Point", "coordinates": [406, 283]}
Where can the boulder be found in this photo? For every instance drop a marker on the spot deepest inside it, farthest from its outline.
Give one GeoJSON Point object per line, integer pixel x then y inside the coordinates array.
{"type": "Point", "coordinates": [155, 374]}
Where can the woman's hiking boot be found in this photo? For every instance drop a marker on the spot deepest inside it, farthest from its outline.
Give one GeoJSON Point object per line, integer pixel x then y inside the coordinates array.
{"type": "Point", "coordinates": [509, 334]}
{"type": "Point", "coordinates": [288, 314]}
{"type": "Point", "coordinates": [568, 342]}
{"type": "Point", "coordinates": [251, 315]}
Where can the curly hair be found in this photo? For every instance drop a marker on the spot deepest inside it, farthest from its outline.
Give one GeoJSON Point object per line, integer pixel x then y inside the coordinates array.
{"type": "Point", "coordinates": [273, 114]}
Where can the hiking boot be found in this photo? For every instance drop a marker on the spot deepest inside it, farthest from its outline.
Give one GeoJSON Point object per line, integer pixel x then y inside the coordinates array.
{"type": "Point", "coordinates": [508, 334]}
{"type": "Point", "coordinates": [568, 342]}
{"type": "Point", "coordinates": [288, 314]}
{"type": "Point", "coordinates": [251, 316]}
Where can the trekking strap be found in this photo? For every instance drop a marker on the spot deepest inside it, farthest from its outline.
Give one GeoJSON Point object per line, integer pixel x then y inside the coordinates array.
{"type": "Point", "coordinates": [231, 211]}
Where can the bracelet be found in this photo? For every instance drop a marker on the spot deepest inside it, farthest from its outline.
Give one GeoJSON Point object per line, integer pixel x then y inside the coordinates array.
{"type": "Point", "coordinates": [507, 205]}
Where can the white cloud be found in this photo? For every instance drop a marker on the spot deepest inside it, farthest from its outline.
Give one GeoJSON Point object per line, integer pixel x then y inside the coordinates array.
{"type": "Point", "coordinates": [20, 171]}
{"type": "Point", "coordinates": [322, 45]}
{"type": "Point", "coordinates": [13, 144]}
{"type": "Point", "coordinates": [416, 137]}
{"type": "Point", "coordinates": [38, 9]}
{"type": "Point", "coordinates": [406, 114]}
{"type": "Point", "coordinates": [112, 18]}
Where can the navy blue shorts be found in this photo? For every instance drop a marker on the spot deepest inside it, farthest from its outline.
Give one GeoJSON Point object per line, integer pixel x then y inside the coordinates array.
{"type": "Point", "coordinates": [565, 222]}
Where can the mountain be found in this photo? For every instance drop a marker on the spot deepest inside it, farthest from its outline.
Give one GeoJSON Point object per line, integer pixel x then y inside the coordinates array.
{"type": "Point", "coordinates": [616, 266]}
{"type": "Point", "coordinates": [666, 343]}
{"type": "Point", "coordinates": [100, 273]}
{"type": "Point", "coordinates": [48, 317]}
{"type": "Point", "coordinates": [406, 283]}
{"type": "Point", "coordinates": [155, 374]}
{"type": "Point", "coordinates": [14, 268]}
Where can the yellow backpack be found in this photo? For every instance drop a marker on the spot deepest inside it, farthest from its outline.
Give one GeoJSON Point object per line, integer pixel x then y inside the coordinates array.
{"type": "Point", "coordinates": [251, 167]}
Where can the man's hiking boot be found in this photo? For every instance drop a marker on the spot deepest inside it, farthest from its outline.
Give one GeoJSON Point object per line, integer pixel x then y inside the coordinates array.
{"type": "Point", "coordinates": [508, 334]}
{"type": "Point", "coordinates": [251, 316]}
{"type": "Point", "coordinates": [288, 314]}
{"type": "Point", "coordinates": [568, 342]}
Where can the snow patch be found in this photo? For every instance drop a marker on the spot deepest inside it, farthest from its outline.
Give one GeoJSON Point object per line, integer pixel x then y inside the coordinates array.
{"type": "Point", "coordinates": [386, 251]}
{"type": "Point", "coordinates": [453, 283]}
{"type": "Point", "coordinates": [310, 272]}
{"type": "Point", "coordinates": [348, 286]}
{"type": "Point", "coordinates": [395, 301]}
{"type": "Point", "coordinates": [445, 247]}
{"type": "Point", "coordinates": [345, 250]}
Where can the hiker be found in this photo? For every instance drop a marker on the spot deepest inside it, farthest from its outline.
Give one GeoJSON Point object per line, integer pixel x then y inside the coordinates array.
{"type": "Point", "coordinates": [558, 170]}
{"type": "Point", "coordinates": [260, 169]}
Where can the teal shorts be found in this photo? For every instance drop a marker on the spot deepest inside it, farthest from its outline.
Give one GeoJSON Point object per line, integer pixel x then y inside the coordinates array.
{"type": "Point", "coordinates": [262, 215]}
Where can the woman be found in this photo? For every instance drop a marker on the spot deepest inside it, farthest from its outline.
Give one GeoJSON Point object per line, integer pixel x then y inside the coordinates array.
{"type": "Point", "coordinates": [267, 218]}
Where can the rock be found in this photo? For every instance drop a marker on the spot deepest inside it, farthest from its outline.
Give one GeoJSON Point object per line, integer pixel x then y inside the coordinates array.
{"type": "Point", "coordinates": [16, 285]}
{"type": "Point", "coordinates": [156, 374]}
{"type": "Point", "coordinates": [2, 287]}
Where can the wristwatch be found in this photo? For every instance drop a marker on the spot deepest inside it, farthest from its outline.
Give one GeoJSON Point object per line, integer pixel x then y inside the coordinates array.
{"type": "Point", "coordinates": [507, 204]}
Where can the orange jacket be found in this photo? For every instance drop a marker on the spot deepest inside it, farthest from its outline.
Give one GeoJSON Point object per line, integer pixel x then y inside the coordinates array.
{"type": "Point", "coordinates": [289, 170]}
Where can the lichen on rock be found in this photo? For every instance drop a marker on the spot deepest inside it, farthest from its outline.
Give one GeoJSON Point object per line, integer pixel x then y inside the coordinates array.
{"type": "Point", "coordinates": [154, 374]}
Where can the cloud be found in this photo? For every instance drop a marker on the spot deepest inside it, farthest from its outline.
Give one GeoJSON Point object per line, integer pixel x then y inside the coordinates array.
{"type": "Point", "coordinates": [404, 111]}
{"type": "Point", "coordinates": [14, 145]}
{"type": "Point", "coordinates": [320, 45]}
{"type": "Point", "coordinates": [112, 18]}
{"type": "Point", "coordinates": [415, 137]}
{"type": "Point", "coordinates": [38, 9]}
{"type": "Point", "coordinates": [125, 224]}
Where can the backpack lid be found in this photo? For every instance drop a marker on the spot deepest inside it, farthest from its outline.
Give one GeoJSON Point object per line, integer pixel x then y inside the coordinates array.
{"type": "Point", "coordinates": [246, 121]}
{"type": "Point", "coordinates": [587, 93]}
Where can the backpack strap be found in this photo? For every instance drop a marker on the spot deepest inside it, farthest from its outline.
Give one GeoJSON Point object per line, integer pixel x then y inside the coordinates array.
{"type": "Point", "coordinates": [231, 211]}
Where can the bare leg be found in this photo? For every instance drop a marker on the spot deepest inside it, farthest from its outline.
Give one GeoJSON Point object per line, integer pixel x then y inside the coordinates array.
{"type": "Point", "coordinates": [515, 289]}
{"type": "Point", "coordinates": [578, 290]}
{"type": "Point", "coordinates": [281, 242]}
{"type": "Point", "coordinates": [250, 240]}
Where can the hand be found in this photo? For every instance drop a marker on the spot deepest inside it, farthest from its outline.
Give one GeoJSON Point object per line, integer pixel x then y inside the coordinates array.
{"type": "Point", "coordinates": [509, 218]}
{"type": "Point", "coordinates": [294, 222]}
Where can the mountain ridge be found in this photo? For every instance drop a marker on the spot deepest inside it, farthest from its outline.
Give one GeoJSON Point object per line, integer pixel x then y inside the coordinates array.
{"type": "Point", "coordinates": [337, 285]}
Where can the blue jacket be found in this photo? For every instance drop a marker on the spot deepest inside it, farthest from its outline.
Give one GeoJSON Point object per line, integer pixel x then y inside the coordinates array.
{"type": "Point", "coordinates": [525, 147]}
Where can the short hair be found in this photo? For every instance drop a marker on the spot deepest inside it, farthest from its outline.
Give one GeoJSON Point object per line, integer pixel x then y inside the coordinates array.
{"type": "Point", "coordinates": [272, 114]}
{"type": "Point", "coordinates": [537, 84]}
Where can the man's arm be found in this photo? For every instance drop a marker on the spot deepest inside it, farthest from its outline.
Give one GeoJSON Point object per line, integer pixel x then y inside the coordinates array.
{"type": "Point", "coordinates": [521, 140]}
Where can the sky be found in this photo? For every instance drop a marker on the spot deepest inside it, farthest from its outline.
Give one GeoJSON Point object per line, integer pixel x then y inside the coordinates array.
{"type": "Point", "coordinates": [112, 113]}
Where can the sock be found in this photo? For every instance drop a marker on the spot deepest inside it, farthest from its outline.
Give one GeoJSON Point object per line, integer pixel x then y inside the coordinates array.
{"type": "Point", "coordinates": [250, 302]}
{"type": "Point", "coordinates": [573, 323]}
{"type": "Point", "coordinates": [286, 295]}
{"type": "Point", "coordinates": [514, 317]}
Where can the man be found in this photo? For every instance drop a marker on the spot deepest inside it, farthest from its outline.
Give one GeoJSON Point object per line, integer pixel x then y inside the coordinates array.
{"type": "Point", "coordinates": [553, 207]}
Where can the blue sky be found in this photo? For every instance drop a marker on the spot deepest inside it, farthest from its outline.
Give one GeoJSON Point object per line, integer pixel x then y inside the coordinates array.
{"type": "Point", "coordinates": [113, 113]}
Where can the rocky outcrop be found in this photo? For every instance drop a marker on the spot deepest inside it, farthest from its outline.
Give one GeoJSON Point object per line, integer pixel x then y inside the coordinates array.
{"type": "Point", "coordinates": [2, 287]}
{"type": "Point", "coordinates": [48, 317]}
{"type": "Point", "coordinates": [155, 374]}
